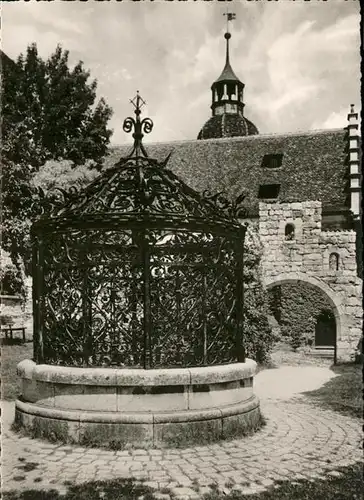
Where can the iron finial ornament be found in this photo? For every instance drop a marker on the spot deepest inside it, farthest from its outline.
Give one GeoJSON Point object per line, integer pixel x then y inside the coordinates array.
{"type": "Point", "coordinates": [139, 126]}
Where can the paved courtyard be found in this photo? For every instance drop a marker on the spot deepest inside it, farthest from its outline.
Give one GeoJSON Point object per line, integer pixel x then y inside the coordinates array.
{"type": "Point", "coordinates": [299, 441]}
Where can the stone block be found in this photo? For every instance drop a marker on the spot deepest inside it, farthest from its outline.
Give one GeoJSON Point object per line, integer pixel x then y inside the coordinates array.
{"type": "Point", "coordinates": [147, 401]}
{"type": "Point", "coordinates": [47, 428]}
{"type": "Point", "coordinates": [116, 435]}
{"type": "Point", "coordinates": [240, 425]}
{"type": "Point", "coordinates": [38, 392]}
{"type": "Point", "coordinates": [25, 369]}
{"type": "Point", "coordinates": [218, 398]}
{"type": "Point", "coordinates": [85, 397]}
{"type": "Point", "coordinates": [133, 377]}
{"type": "Point", "coordinates": [313, 256]}
{"type": "Point", "coordinates": [187, 433]}
{"type": "Point", "coordinates": [224, 373]}
{"type": "Point", "coordinates": [71, 375]}
{"type": "Point", "coordinates": [296, 206]}
{"type": "Point", "coordinates": [353, 301]}
{"type": "Point", "coordinates": [356, 332]}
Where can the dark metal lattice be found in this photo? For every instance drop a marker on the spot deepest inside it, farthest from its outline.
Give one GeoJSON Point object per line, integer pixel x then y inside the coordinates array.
{"type": "Point", "coordinates": [138, 270]}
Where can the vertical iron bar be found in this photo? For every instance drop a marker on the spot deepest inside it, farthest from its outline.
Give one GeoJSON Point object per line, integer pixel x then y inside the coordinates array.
{"type": "Point", "coordinates": [204, 285]}
{"type": "Point", "coordinates": [38, 300]}
{"type": "Point", "coordinates": [86, 317]}
{"type": "Point", "coordinates": [239, 255]}
{"type": "Point", "coordinates": [134, 271]}
{"type": "Point", "coordinates": [147, 320]}
{"type": "Point", "coordinates": [35, 258]}
{"type": "Point", "coordinates": [179, 330]}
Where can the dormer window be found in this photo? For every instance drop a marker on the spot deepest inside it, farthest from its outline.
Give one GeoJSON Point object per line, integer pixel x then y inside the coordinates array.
{"type": "Point", "coordinates": [269, 191]}
{"type": "Point", "coordinates": [272, 160]}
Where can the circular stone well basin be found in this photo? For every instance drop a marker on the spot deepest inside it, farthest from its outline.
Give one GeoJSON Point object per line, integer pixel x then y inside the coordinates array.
{"type": "Point", "coordinates": [143, 408]}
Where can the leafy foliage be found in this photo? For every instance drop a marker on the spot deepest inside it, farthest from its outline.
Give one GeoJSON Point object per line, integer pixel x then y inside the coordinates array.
{"type": "Point", "coordinates": [16, 211]}
{"type": "Point", "coordinates": [258, 335]}
{"type": "Point", "coordinates": [48, 114]}
{"type": "Point", "coordinates": [296, 307]}
{"type": "Point", "coordinates": [11, 279]}
{"type": "Point", "coordinates": [64, 175]}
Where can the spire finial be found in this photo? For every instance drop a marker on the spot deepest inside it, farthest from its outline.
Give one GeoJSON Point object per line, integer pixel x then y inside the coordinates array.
{"type": "Point", "coordinates": [230, 16]}
{"type": "Point", "coordinates": [139, 126]}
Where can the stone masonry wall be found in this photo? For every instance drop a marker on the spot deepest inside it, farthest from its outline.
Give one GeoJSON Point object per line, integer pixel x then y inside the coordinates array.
{"type": "Point", "coordinates": [306, 258]}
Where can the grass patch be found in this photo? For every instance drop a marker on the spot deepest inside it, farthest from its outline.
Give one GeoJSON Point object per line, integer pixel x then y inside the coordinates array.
{"type": "Point", "coordinates": [116, 489]}
{"type": "Point", "coordinates": [343, 393]}
{"type": "Point", "coordinates": [11, 355]}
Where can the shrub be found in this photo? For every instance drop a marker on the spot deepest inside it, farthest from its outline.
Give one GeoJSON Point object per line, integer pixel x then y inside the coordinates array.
{"type": "Point", "coordinates": [297, 307]}
{"type": "Point", "coordinates": [12, 280]}
{"type": "Point", "coordinates": [258, 334]}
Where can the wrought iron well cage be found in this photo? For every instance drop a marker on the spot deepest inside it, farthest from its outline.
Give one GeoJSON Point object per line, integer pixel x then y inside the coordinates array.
{"type": "Point", "coordinates": [138, 270]}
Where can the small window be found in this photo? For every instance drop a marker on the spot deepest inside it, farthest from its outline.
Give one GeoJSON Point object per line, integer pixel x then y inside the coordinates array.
{"type": "Point", "coordinates": [272, 161]}
{"type": "Point", "coordinates": [289, 232]}
{"type": "Point", "coordinates": [334, 261]}
{"type": "Point", "coordinates": [269, 191]}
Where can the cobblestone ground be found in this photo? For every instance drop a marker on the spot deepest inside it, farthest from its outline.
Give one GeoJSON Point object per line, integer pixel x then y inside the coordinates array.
{"type": "Point", "coordinates": [299, 441]}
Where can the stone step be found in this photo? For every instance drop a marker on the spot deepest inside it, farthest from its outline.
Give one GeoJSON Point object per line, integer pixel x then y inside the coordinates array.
{"type": "Point", "coordinates": [323, 352]}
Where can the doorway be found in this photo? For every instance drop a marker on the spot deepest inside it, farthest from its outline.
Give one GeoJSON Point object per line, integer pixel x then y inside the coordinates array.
{"type": "Point", "coordinates": [325, 330]}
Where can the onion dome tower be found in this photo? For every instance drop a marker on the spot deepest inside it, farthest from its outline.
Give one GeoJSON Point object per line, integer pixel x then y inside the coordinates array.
{"type": "Point", "coordinates": [228, 118]}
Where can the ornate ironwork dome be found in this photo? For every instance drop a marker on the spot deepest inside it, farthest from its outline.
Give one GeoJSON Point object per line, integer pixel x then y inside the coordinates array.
{"type": "Point", "coordinates": [138, 270]}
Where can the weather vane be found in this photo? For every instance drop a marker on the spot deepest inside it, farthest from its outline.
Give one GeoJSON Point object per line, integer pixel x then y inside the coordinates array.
{"type": "Point", "coordinates": [230, 16]}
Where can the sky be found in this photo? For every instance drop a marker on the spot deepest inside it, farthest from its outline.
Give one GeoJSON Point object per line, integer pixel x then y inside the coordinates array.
{"type": "Point", "coordinates": [299, 60]}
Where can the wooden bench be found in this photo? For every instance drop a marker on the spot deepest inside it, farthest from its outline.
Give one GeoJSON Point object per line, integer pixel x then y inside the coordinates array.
{"type": "Point", "coordinates": [9, 332]}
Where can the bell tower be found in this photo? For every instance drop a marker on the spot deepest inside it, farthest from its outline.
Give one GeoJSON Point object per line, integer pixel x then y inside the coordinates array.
{"type": "Point", "coordinates": [227, 90]}
{"type": "Point", "coordinates": [227, 105]}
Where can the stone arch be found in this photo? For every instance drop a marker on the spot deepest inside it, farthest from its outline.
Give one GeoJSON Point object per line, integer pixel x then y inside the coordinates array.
{"type": "Point", "coordinates": [334, 299]}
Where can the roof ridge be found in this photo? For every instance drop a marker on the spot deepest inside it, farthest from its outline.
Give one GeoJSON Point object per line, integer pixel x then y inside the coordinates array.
{"type": "Point", "coordinates": [239, 138]}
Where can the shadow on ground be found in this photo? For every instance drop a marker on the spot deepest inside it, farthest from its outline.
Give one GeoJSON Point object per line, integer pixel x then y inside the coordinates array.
{"type": "Point", "coordinates": [343, 393]}
{"type": "Point", "coordinates": [347, 484]}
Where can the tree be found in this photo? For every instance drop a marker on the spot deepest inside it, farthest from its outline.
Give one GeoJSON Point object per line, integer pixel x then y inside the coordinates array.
{"type": "Point", "coordinates": [64, 175]}
{"type": "Point", "coordinates": [258, 335]}
{"type": "Point", "coordinates": [48, 113]}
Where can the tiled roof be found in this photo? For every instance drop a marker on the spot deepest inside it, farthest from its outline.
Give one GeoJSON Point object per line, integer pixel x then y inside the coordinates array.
{"type": "Point", "coordinates": [227, 125]}
{"type": "Point", "coordinates": [227, 74]}
{"type": "Point", "coordinates": [314, 165]}
{"type": "Point", "coordinates": [5, 59]}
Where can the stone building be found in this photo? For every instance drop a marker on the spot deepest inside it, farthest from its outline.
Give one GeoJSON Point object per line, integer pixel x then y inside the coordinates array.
{"type": "Point", "coordinates": [302, 191]}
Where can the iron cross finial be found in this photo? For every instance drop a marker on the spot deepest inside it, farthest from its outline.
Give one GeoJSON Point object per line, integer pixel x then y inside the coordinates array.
{"type": "Point", "coordinates": [138, 102]}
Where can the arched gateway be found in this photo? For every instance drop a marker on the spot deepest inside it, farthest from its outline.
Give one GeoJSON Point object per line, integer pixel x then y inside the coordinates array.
{"type": "Point", "coordinates": [306, 258]}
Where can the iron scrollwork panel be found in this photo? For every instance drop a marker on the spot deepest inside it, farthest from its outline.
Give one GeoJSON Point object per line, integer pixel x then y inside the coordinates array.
{"type": "Point", "coordinates": [62, 317]}
{"type": "Point", "coordinates": [93, 300]}
{"type": "Point", "coordinates": [116, 308]}
{"type": "Point", "coordinates": [193, 301]}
